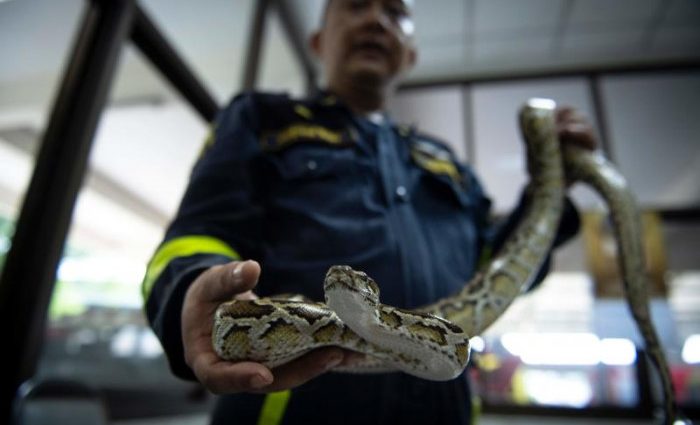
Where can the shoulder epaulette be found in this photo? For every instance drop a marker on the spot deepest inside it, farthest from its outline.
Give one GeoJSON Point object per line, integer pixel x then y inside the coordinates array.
{"type": "Point", "coordinates": [435, 156]}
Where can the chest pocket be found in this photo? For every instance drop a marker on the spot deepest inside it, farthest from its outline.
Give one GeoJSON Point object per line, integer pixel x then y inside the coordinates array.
{"type": "Point", "coordinates": [312, 161]}
{"type": "Point", "coordinates": [309, 172]}
{"type": "Point", "coordinates": [307, 151]}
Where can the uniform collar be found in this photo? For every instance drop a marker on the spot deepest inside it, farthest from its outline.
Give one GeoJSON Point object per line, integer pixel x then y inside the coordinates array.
{"type": "Point", "coordinates": [381, 119]}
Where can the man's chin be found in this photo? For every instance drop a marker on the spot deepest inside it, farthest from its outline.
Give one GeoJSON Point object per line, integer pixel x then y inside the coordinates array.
{"type": "Point", "coordinates": [370, 75]}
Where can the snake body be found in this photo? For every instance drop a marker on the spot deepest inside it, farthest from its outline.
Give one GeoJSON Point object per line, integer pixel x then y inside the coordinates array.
{"type": "Point", "coordinates": [432, 342]}
{"type": "Point", "coordinates": [596, 171]}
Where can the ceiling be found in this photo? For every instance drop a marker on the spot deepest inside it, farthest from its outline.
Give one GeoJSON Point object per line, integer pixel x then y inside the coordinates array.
{"type": "Point", "coordinates": [148, 139]}
{"type": "Point", "coordinates": [456, 39]}
{"type": "Point", "coordinates": [473, 37]}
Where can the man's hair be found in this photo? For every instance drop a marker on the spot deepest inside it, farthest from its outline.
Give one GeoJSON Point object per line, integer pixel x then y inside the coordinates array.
{"type": "Point", "coordinates": [327, 4]}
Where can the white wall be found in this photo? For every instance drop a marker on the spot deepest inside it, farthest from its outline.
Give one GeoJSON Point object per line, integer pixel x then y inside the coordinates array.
{"type": "Point", "coordinates": [653, 123]}
{"type": "Point", "coordinates": [498, 145]}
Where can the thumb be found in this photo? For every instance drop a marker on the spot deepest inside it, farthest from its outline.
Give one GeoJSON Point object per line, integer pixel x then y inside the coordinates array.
{"type": "Point", "coordinates": [222, 283]}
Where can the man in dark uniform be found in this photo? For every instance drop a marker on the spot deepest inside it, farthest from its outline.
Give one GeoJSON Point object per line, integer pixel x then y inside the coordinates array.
{"type": "Point", "coordinates": [300, 185]}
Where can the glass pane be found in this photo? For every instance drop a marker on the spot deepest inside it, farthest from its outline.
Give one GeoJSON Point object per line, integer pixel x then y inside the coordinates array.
{"type": "Point", "coordinates": [28, 83]}
{"type": "Point", "coordinates": [280, 70]}
{"type": "Point", "coordinates": [653, 121]}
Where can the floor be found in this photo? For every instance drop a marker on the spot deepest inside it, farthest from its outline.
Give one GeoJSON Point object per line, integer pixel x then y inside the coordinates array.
{"type": "Point", "coordinates": [485, 420]}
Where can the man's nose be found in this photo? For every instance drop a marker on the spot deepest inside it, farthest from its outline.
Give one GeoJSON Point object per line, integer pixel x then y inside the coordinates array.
{"type": "Point", "coordinates": [376, 16]}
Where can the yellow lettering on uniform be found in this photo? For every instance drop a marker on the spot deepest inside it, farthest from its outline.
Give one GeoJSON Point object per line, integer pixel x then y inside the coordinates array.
{"type": "Point", "coordinates": [303, 111]}
{"type": "Point", "coordinates": [296, 132]}
{"type": "Point", "coordinates": [438, 166]}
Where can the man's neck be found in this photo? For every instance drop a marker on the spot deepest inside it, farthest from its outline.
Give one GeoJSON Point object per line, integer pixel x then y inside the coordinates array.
{"type": "Point", "coordinates": [362, 99]}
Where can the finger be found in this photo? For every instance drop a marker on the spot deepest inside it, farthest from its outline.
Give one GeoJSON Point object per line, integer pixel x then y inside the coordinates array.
{"type": "Point", "coordinates": [305, 368]}
{"type": "Point", "coordinates": [567, 116]}
{"type": "Point", "coordinates": [223, 282]}
{"type": "Point", "coordinates": [564, 113]}
{"type": "Point", "coordinates": [221, 377]}
{"type": "Point", "coordinates": [351, 358]}
{"type": "Point", "coordinates": [248, 295]}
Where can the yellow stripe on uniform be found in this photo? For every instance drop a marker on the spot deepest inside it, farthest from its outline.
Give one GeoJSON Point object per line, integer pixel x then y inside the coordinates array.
{"type": "Point", "coordinates": [437, 166]}
{"type": "Point", "coordinates": [273, 408]}
{"type": "Point", "coordinates": [182, 247]}
{"type": "Point", "coordinates": [296, 132]}
{"type": "Point", "coordinates": [209, 141]}
{"type": "Point", "coordinates": [485, 256]}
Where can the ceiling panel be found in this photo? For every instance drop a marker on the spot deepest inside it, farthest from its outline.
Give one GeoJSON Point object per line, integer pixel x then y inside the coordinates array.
{"type": "Point", "coordinates": [529, 48]}
{"type": "Point", "coordinates": [456, 38]}
{"type": "Point", "coordinates": [435, 57]}
{"type": "Point", "coordinates": [603, 42]}
{"type": "Point", "coordinates": [677, 40]}
{"type": "Point", "coordinates": [590, 12]}
{"type": "Point", "coordinates": [451, 16]}
{"type": "Point", "coordinates": [506, 15]}
{"type": "Point", "coordinates": [683, 12]}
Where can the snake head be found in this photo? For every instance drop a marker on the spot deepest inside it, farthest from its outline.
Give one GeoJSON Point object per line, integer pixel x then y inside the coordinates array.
{"type": "Point", "coordinates": [344, 277]}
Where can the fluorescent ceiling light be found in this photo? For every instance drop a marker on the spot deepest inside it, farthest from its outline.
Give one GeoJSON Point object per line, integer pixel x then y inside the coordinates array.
{"type": "Point", "coordinates": [571, 349]}
{"type": "Point", "coordinates": [691, 349]}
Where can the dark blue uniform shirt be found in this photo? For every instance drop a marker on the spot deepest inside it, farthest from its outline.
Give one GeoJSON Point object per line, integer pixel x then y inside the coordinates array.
{"type": "Point", "coordinates": [302, 185]}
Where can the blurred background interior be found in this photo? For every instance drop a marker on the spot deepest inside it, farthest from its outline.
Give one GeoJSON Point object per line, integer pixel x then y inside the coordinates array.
{"type": "Point", "coordinates": [631, 65]}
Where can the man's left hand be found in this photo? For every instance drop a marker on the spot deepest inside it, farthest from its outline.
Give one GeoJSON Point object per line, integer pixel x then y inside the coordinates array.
{"type": "Point", "coordinates": [574, 128]}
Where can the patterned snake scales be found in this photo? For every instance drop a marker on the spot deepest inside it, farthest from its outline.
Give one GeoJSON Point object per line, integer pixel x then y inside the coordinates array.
{"type": "Point", "coordinates": [432, 342]}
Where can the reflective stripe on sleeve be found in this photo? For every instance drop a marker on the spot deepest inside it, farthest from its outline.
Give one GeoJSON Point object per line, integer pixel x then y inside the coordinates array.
{"type": "Point", "coordinates": [485, 256]}
{"type": "Point", "coordinates": [182, 247]}
{"type": "Point", "coordinates": [273, 408]}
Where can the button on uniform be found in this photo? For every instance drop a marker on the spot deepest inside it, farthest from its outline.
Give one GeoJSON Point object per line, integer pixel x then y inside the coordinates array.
{"type": "Point", "coordinates": [401, 193]}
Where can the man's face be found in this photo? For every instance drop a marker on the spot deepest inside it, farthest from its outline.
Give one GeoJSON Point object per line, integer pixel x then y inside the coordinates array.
{"type": "Point", "coordinates": [367, 39]}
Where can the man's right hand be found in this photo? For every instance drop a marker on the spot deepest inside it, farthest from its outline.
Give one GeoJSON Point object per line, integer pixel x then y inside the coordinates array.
{"type": "Point", "coordinates": [220, 284]}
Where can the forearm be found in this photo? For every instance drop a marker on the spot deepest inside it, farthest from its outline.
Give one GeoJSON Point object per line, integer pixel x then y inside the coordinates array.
{"type": "Point", "coordinates": [163, 305]}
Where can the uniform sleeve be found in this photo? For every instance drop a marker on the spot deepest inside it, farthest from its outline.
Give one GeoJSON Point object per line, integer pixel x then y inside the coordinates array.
{"type": "Point", "coordinates": [218, 221]}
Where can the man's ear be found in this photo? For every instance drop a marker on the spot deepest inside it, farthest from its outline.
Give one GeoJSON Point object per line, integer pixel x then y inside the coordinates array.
{"type": "Point", "coordinates": [315, 43]}
{"type": "Point", "coordinates": [412, 58]}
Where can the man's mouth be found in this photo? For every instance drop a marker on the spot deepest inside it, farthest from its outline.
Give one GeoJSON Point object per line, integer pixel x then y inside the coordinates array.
{"type": "Point", "coordinates": [371, 47]}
